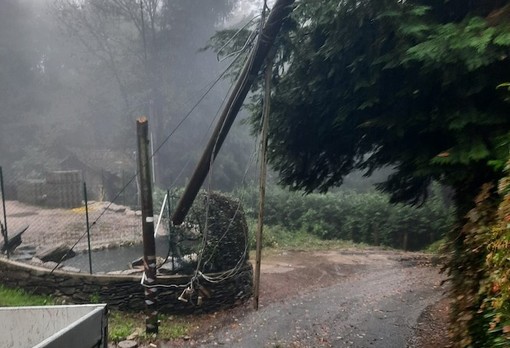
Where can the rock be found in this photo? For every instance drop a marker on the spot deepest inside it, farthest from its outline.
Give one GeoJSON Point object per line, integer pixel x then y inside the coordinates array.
{"type": "Point", "coordinates": [36, 261]}
{"type": "Point", "coordinates": [167, 267]}
{"type": "Point", "coordinates": [137, 263]}
{"type": "Point", "coordinates": [127, 344]}
{"type": "Point", "coordinates": [14, 241]}
{"type": "Point", "coordinates": [71, 269]}
{"type": "Point", "coordinates": [56, 254]}
{"type": "Point", "coordinates": [116, 208]}
{"type": "Point", "coordinates": [21, 257]}
{"type": "Point", "coordinates": [28, 248]}
{"type": "Point", "coordinates": [51, 265]}
{"type": "Point", "coordinates": [135, 335]}
{"type": "Point", "coordinates": [138, 212]}
{"type": "Point", "coordinates": [127, 271]}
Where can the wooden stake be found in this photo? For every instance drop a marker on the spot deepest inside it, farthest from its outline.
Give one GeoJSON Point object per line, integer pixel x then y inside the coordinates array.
{"type": "Point", "coordinates": [4, 226]}
{"type": "Point", "coordinates": [149, 245]}
{"type": "Point", "coordinates": [87, 224]}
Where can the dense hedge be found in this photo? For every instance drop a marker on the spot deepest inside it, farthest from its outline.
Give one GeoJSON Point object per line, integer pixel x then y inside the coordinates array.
{"type": "Point", "coordinates": [480, 271]}
{"type": "Point", "coordinates": [359, 217]}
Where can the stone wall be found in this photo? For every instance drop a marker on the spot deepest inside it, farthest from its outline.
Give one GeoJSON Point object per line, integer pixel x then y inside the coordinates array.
{"type": "Point", "coordinates": [125, 292]}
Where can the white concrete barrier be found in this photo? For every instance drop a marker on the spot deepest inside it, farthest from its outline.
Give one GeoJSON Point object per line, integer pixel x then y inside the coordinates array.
{"type": "Point", "coordinates": [77, 326]}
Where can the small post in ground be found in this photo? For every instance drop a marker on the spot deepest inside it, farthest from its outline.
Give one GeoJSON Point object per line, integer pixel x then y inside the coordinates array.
{"type": "Point", "coordinates": [87, 222]}
{"type": "Point", "coordinates": [149, 245]}
{"type": "Point", "coordinates": [4, 226]}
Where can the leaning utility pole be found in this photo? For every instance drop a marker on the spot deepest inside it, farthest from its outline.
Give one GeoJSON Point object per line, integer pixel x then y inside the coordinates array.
{"type": "Point", "coordinates": [149, 245]}
{"type": "Point", "coordinates": [280, 11]}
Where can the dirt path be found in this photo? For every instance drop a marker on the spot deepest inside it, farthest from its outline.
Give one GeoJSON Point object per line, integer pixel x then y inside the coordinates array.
{"type": "Point", "coordinates": [346, 298]}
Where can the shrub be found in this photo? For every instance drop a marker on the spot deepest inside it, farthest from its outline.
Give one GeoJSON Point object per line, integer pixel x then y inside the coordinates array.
{"type": "Point", "coordinates": [360, 217]}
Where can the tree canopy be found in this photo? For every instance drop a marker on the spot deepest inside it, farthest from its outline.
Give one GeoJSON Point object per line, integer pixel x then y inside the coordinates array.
{"type": "Point", "coordinates": [405, 84]}
{"type": "Point", "coordinates": [411, 85]}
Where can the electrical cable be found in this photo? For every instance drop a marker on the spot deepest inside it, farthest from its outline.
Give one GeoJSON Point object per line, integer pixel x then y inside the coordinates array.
{"type": "Point", "coordinates": [152, 155]}
{"type": "Point", "coordinates": [204, 233]}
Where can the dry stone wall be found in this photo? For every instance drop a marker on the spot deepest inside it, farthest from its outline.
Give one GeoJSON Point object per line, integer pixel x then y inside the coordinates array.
{"type": "Point", "coordinates": [125, 292]}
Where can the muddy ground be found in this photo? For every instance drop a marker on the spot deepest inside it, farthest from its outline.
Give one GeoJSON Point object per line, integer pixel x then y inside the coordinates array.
{"type": "Point", "coordinates": [337, 298]}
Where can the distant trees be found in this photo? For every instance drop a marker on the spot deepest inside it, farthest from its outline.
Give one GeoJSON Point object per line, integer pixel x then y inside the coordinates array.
{"type": "Point", "coordinates": [19, 78]}
{"type": "Point", "coordinates": [149, 50]}
{"type": "Point", "coordinates": [77, 74]}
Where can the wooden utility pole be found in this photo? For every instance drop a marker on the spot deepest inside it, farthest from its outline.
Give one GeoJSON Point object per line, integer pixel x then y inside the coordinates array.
{"type": "Point", "coordinates": [149, 245]}
{"type": "Point", "coordinates": [262, 179]}
{"type": "Point", "coordinates": [280, 11]}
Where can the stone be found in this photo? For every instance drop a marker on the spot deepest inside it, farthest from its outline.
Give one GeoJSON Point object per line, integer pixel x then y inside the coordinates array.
{"type": "Point", "coordinates": [36, 261]}
{"type": "Point", "coordinates": [71, 269]}
{"type": "Point", "coordinates": [127, 344]}
{"type": "Point", "coordinates": [127, 271]}
{"type": "Point", "coordinates": [21, 257]}
{"type": "Point", "coordinates": [137, 263]}
{"type": "Point", "coordinates": [56, 254]}
{"type": "Point", "coordinates": [116, 208]}
{"type": "Point", "coordinates": [28, 248]}
{"type": "Point", "coordinates": [51, 264]}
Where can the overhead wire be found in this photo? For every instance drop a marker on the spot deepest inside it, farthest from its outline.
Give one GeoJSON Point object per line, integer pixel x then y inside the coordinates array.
{"type": "Point", "coordinates": [232, 272]}
{"type": "Point", "coordinates": [123, 189]}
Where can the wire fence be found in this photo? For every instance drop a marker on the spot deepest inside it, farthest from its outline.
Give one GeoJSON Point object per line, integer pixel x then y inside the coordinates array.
{"type": "Point", "coordinates": [54, 209]}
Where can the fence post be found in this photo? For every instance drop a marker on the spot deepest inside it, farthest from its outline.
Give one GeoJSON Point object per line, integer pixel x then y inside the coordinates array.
{"type": "Point", "coordinates": [4, 226]}
{"type": "Point", "coordinates": [149, 244]}
{"type": "Point", "coordinates": [171, 234]}
{"type": "Point", "coordinates": [87, 221]}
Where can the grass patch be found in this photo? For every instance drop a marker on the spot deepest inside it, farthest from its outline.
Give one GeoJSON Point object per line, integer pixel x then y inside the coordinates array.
{"type": "Point", "coordinates": [123, 324]}
{"type": "Point", "coordinates": [17, 297]}
{"type": "Point", "coordinates": [120, 324]}
{"type": "Point", "coordinates": [280, 237]}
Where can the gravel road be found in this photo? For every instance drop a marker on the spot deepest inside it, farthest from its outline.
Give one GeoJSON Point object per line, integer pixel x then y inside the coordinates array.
{"type": "Point", "coordinates": [375, 306]}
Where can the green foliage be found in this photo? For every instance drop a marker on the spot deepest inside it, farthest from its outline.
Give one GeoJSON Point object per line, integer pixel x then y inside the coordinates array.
{"type": "Point", "coordinates": [95, 298]}
{"type": "Point", "coordinates": [123, 324]}
{"type": "Point", "coordinates": [358, 217]}
{"type": "Point", "coordinates": [120, 325]}
{"type": "Point", "coordinates": [408, 85]}
{"type": "Point", "coordinates": [17, 297]}
{"type": "Point", "coordinates": [487, 244]}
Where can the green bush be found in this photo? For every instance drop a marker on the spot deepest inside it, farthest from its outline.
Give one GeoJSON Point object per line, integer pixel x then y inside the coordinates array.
{"type": "Point", "coordinates": [359, 217]}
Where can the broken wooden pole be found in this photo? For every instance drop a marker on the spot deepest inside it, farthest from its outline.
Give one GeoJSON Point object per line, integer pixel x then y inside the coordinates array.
{"type": "Point", "coordinates": [280, 11]}
{"type": "Point", "coordinates": [149, 245]}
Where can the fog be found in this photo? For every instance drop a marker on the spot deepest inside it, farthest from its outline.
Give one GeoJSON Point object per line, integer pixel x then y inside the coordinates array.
{"type": "Point", "coordinates": [76, 74]}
